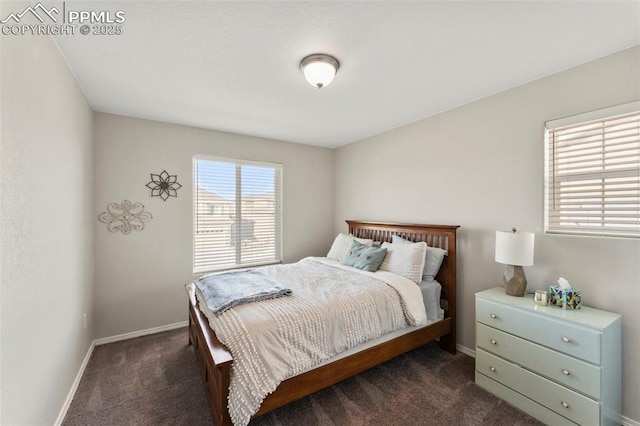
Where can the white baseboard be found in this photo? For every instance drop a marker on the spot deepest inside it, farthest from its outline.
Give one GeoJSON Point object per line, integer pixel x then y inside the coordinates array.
{"type": "Point", "coordinates": [626, 421]}
{"type": "Point", "coordinates": [466, 350]}
{"type": "Point", "coordinates": [74, 386]}
{"type": "Point", "coordinates": [134, 334]}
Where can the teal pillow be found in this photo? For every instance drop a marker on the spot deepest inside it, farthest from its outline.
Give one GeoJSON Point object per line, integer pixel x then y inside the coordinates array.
{"type": "Point", "coordinates": [364, 257]}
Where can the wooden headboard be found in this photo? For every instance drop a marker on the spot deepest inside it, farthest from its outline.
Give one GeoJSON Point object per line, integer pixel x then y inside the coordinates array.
{"type": "Point", "coordinates": [441, 236]}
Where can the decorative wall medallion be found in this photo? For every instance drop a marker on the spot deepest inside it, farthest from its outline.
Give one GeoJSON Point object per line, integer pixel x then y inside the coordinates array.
{"type": "Point", "coordinates": [125, 217]}
{"type": "Point", "coordinates": [164, 185]}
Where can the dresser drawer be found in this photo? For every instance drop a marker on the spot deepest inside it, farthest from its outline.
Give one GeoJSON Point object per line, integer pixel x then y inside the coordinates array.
{"type": "Point", "coordinates": [579, 375]}
{"type": "Point", "coordinates": [567, 338]}
{"type": "Point", "coordinates": [570, 404]}
{"type": "Point", "coordinates": [525, 404]}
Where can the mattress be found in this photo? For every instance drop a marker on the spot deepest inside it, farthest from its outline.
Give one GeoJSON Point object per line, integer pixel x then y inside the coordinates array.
{"type": "Point", "coordinates": [431, 290]}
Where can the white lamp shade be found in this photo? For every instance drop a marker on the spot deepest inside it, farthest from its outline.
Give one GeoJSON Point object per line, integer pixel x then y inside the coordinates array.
{"type": "Point", "coordinates": [319, 69]}
{"type": "Point", "coordinates": [319, 73]}
{"type": "Point", "coordinates": [515, 248]}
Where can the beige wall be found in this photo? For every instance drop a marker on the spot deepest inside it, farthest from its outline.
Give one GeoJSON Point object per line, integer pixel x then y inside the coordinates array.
{"type": "Point", "coordinates": [46, 223]}
{"type": "Point", "coordinates": [140, 277]}
{"type": "Point", "coordinates": [481, 166]}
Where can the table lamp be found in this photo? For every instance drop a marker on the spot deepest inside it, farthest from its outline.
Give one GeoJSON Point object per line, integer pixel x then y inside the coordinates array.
{"type": "Point", "coordinates": [514, 249]}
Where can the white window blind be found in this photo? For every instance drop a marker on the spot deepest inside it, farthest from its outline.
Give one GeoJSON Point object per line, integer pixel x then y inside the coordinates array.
{"type": "Point", "coordinates": [592, 176]}
{"type": "Point", "coordinates": [237, 213]}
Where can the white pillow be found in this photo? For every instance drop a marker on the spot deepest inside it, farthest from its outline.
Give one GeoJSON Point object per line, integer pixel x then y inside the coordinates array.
{"type": "Point", "coordinates": [405, 259]}
{"type": "Point", "coordinates": [433, 258]}
{"type": "Point", "coordinates": [342, 244]}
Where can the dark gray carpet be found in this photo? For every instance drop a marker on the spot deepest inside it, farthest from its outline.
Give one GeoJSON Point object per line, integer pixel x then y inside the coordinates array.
{"type": "Point", "coordinates": [154, 380]}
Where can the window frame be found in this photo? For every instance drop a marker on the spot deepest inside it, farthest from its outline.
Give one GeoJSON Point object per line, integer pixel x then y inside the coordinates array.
{"type": "Point", "coordinates": [278, 196]}
{"type": "Point", "coordinates": [606, 175]}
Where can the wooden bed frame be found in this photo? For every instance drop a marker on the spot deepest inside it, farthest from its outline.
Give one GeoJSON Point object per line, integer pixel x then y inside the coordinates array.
{"type": "Point", "coordinates": [214, 360]}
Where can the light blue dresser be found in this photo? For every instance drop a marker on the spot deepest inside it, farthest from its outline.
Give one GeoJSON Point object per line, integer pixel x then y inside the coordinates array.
{"type": "Point", "coordinates": [561, 367]}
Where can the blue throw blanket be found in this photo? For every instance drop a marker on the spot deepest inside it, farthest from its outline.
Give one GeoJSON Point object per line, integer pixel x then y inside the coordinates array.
{"type": "Point", "coordinates": [224, 291]}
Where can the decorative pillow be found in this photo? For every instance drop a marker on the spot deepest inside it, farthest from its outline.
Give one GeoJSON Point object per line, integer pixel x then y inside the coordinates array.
{"type": "Point", "coordinates": [405, 259]}
{"type": "Point", "coordinates": [342, 244]}
{"type": "Point", "coordinates": [433, 259]}
{"type": "Point", "coordinates": [366, 258]}
{"type": "Point", "coordinates": [432, 264]}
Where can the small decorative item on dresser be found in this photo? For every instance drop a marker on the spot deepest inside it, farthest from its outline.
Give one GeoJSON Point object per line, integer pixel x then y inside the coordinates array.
{"type": "Point", "coordinates": [556, 296]}
{"type": "Point", "coordinates": [541, 298]}
{"type": "Point", "coordinates": [564, 296]}
{"type": "Point", "coordinates": [573, 299]}
{"type": "Point", "coordinates": [566, 299]}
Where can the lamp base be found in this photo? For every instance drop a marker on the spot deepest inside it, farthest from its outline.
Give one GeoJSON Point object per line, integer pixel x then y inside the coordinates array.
{"type": "Point", "coordinates": [514, 280]}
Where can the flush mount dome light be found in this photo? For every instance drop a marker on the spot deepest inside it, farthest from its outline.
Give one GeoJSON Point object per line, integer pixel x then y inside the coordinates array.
{"type": "Point", "coordinates": [319, 69]}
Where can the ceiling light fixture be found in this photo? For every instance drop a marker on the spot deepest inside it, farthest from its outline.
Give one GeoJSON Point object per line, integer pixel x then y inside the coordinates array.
{"type": "Point", "coordinates": [319, 69]}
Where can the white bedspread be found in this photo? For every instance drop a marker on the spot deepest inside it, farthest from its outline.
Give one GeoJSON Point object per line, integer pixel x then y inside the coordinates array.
{"type": "Point", "coordinates": [333, 308]}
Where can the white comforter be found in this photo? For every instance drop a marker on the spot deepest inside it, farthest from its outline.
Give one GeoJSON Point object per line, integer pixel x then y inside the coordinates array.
{"type": "Point", "coordinates": [333, 308]}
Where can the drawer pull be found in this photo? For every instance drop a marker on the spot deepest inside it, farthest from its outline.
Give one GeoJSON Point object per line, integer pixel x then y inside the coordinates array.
{"type": "Point", "coordinates": [565, 372]}
{"type": "Point", "coordinates": [492, 368]}
{"type": "Point", "coordinates": [566, 339]}
{"type": "Point", "coordinates": [493, 342]}
{"type": "Point", "coordinates": [565, 404]}
{"type": "Point", "coordinates": [494, 316]}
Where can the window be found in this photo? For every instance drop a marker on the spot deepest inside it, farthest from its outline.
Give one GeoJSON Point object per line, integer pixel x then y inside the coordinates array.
{"type": "Point", "coordinates": [237, 213]}
{"type": "Point", "coordinates": [592, 176]}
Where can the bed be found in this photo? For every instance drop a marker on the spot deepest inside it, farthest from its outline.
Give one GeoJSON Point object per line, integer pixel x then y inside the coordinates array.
{"type": "Point", "coordinates": [215, 361]}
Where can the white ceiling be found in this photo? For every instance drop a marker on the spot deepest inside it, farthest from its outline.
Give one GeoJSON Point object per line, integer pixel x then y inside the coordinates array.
{"type": "Point", "coordinates": [233, 66]}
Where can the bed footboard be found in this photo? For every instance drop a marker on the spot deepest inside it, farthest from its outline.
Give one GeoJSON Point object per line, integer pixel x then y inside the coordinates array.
{"type": "Point", "coordinates": [214, 362]}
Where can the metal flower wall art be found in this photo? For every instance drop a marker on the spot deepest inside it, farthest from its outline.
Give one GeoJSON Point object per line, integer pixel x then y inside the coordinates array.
{"type": "Point", "coordinates": [164, 185]}
{"type": "Point", "coordinates": [125, 217]}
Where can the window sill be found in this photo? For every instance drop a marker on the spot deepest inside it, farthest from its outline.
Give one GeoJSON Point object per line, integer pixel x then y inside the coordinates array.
{"type": "Point", "coordinates": [200, 272]}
